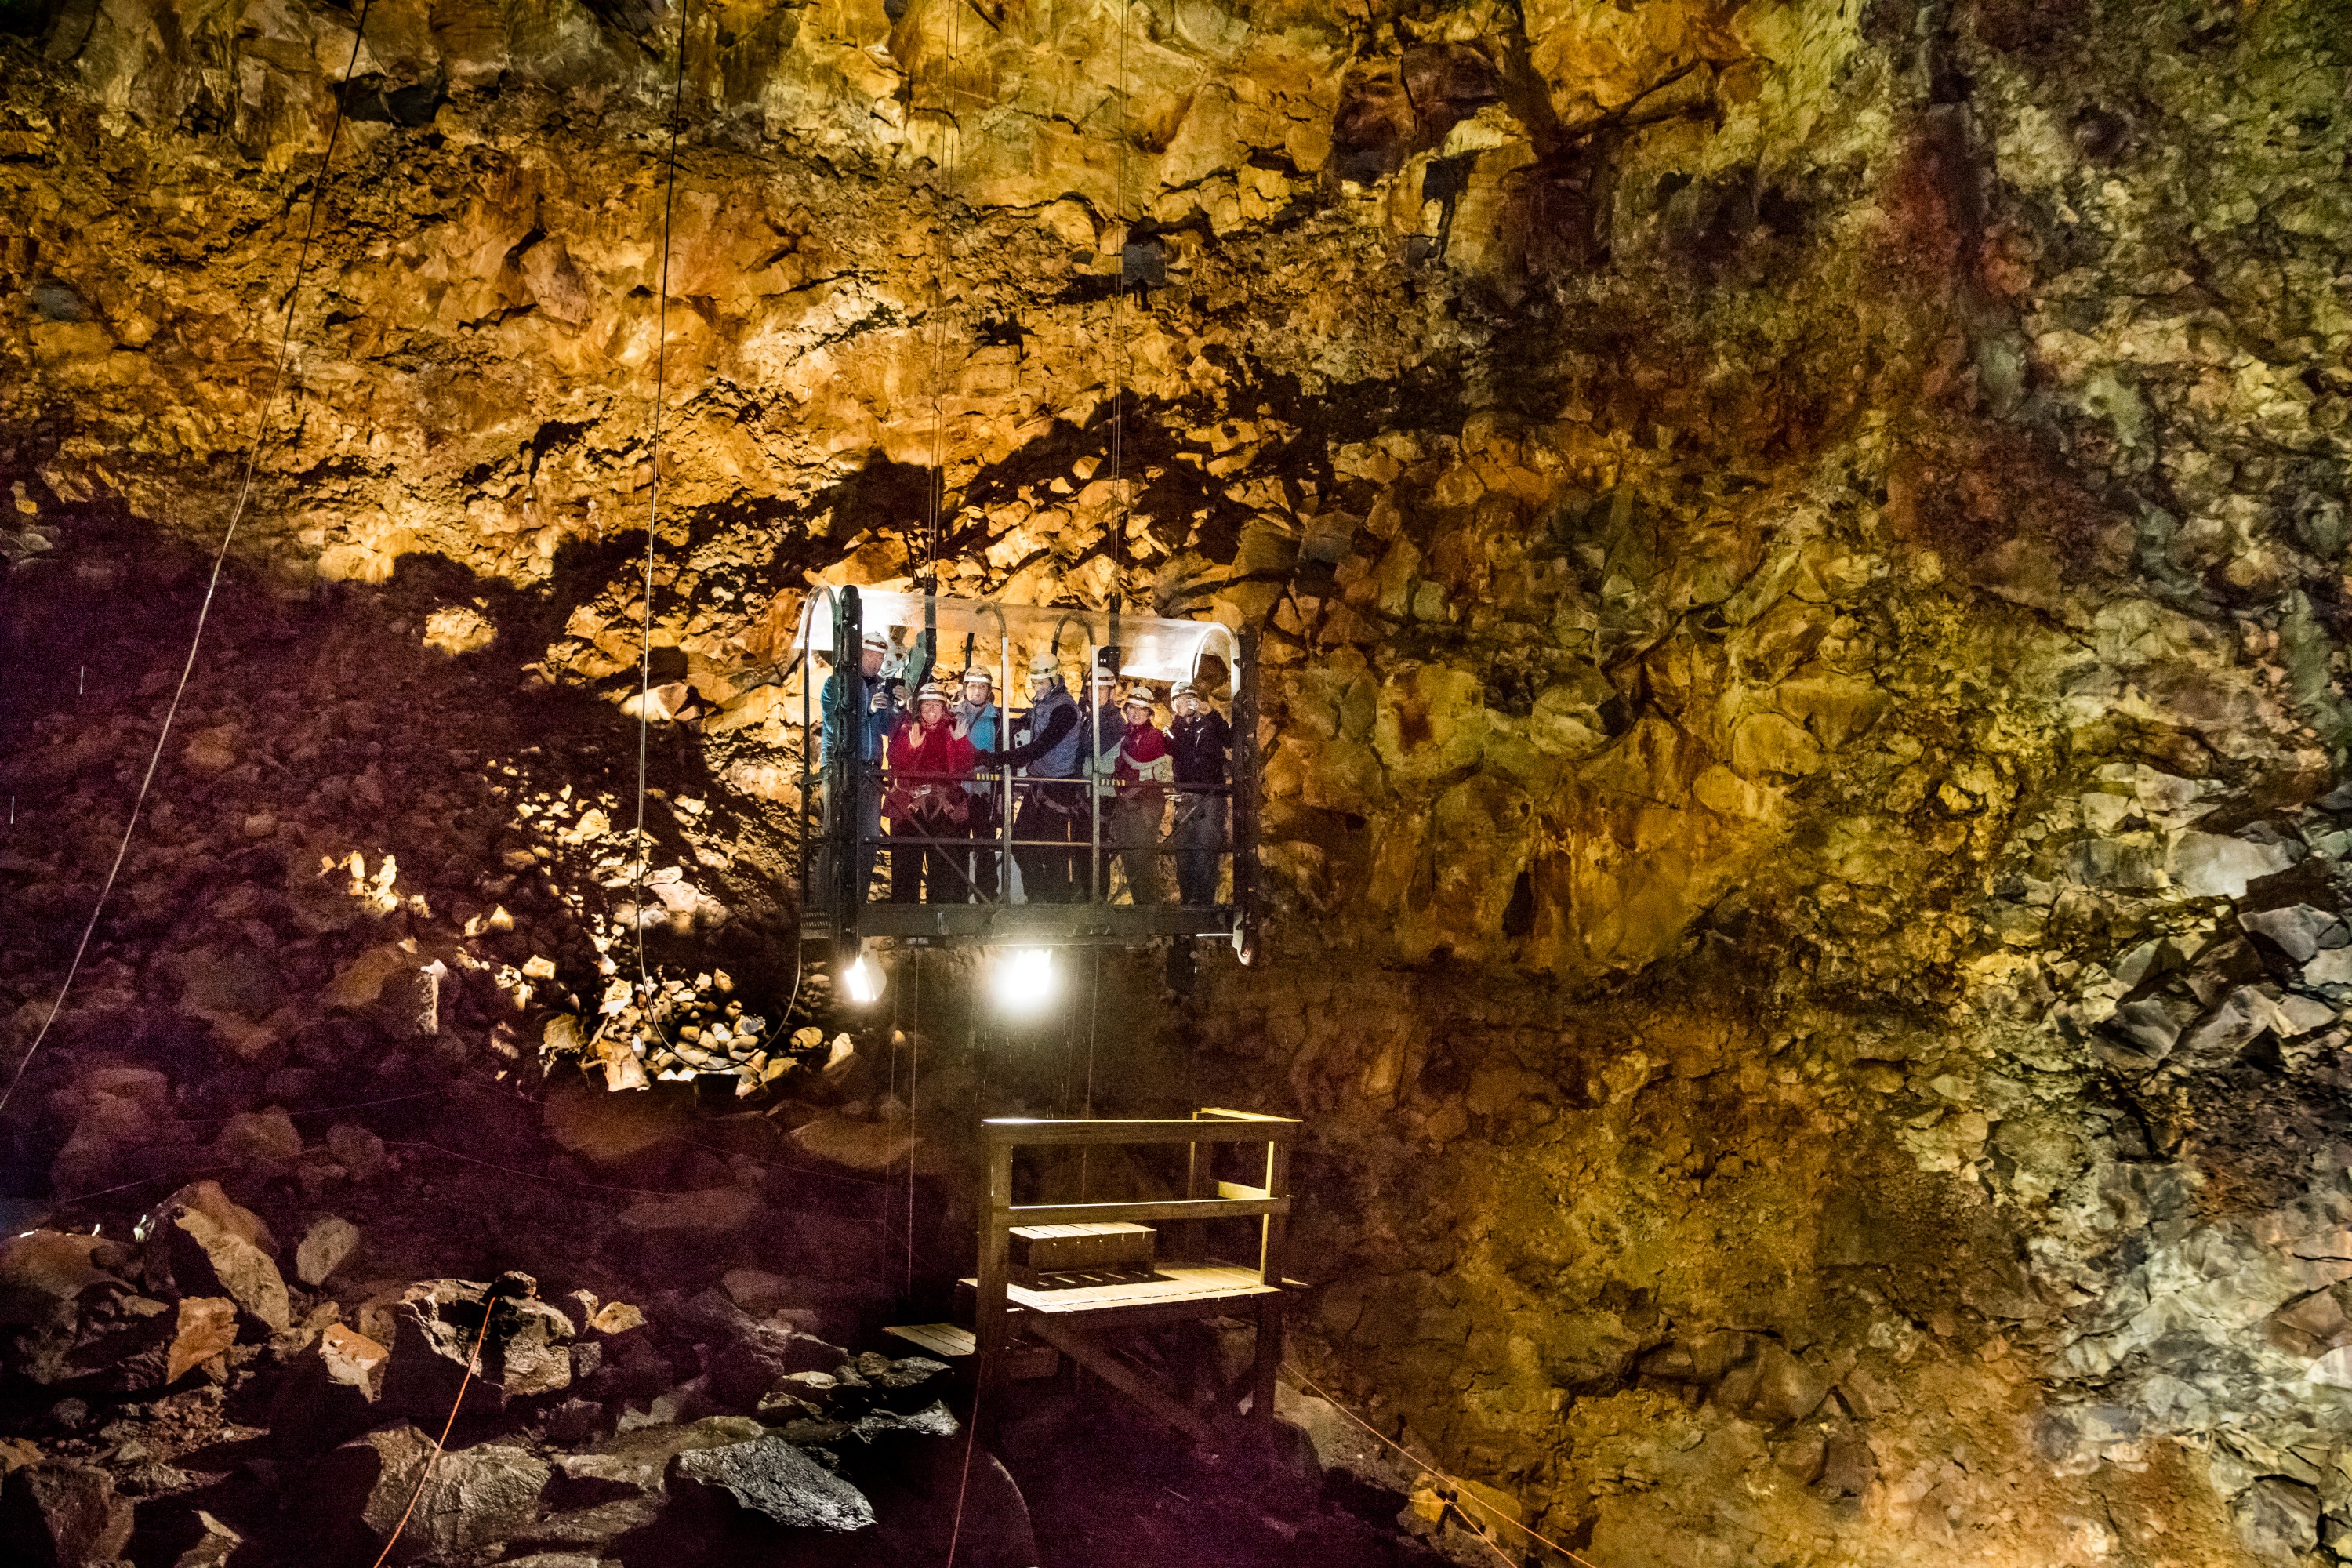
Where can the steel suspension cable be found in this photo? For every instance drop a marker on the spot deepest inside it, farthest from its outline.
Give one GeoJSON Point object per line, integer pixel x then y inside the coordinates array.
{"type": "Point", "coordinates": [1120, 359]}
{"type": "Point", "coordinates": [220, 559]}
{"type": "Point", "coordinates": [935, 491]}
{"type": "Point", "coordinates": [652, 518]}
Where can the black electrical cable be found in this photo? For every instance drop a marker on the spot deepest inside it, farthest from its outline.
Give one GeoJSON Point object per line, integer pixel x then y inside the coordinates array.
{"type": "Point", "coordinates": [220, 559]}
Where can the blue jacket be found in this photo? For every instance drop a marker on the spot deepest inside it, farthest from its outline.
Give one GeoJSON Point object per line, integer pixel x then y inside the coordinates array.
{"type": "Point", "coordinates": [980, 725]}
{"type": "Point", "coordinates": [877, 725]}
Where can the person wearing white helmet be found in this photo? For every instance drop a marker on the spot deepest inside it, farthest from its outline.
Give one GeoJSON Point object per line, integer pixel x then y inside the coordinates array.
{"type": "Point", "coordinates": [1139, 771]}
{"type": "Point", "coordinates": [979, 719]}
{"type": "Point", "coordinates": [874, 727]}
{"type": "Point", "coordinates": [929, 762]}
{"type": "Point", "coordinates": [1057, 811]}
{"type": "Point", "coordinates": [1198, 745]}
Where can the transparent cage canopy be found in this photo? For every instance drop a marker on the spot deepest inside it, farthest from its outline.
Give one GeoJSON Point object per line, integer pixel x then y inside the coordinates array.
{"type": "Point", "coordinates": [1003, 637]}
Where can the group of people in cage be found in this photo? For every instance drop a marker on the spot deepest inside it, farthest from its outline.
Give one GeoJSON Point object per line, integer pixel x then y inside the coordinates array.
{"type": "Point", "coordinates": [938, 766]}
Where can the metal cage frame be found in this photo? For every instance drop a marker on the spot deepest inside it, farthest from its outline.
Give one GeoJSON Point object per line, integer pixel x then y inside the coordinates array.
{"type": "Point", "coordinates": [835, 806]}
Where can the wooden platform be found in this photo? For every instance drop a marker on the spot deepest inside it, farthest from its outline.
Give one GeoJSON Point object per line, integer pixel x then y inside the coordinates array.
{"type": "Point", "coordinates": [1069, 1312]}
{"type": "Point", "coordinates": [1178, 1291]}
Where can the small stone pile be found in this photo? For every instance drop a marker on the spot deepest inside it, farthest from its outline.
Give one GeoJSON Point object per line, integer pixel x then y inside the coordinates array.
{"type": "Point", "coordinates": [676, 1030]}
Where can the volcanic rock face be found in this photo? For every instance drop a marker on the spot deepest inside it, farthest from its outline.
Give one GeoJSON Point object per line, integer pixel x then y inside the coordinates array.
{"type": "Point", "coordinates": [1801, 551]}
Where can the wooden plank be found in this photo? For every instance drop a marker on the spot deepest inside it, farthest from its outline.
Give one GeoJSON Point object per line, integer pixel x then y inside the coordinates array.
{"type": "Point", "coordinates": [1268, 1356]}
{"type": "Point", "coordinates": [1119, 1375]}
{"type": "Point", "coordinates": [1274, 1242]}
{"type": "Point", "coordinates": [1239, 1190]}
{"type": "Point", "coordinates": [1045, 1248]}
{"type": "Point", "coordinates": [1036, 1132]}
{"type": "Point", "coordinates": [1153, 1209]}
{"type": "Point", "coordinates": [945, 1341]}
{"type": "Point", "coordinates": [1222, 1112]}
{"type": "Point", "coordinates": [1208, 1282]}
{"type": "Point", "coordinates": [988, 1313]}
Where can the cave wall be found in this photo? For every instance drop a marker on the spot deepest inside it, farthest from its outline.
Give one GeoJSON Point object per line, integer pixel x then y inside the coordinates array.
{"type": "Point", "coordinates": [1801, 550]}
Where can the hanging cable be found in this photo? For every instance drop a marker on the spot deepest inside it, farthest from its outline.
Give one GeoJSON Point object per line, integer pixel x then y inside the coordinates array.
{"type": "Point", "coordinates": [220, 558]}
{"type": "Point", "coordinates": [1120, 361]}
{"type": "Point", "coordinates": [914, 1090]}
{"type": "Point", "coordinates": [1094, 1015]}
{"type": "Point", "coordinates": [935, 489]}
{"type": "Point", "coordinates": [639, 863]}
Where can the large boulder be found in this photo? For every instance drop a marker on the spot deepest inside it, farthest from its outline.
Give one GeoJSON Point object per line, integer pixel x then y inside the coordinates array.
{"type": "Point", "coordinates": [68, 1318]}
{"type": "Point", "coordinates": [768, 1476]}
{"type": "Point", "coordinates": [206, 1244]}
{"type": "Point", "coordinates": [596, 1499]}
{"type": "Point", "coordinates": [473, 1500]}
{"type": "Point", "coordinates": [60, 1515]}
{"type": "Point", "coordinates": [525, 1353]}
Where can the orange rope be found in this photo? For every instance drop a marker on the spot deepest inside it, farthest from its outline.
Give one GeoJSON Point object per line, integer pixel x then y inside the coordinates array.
{"type": "Point", "coordinates": [1542, 1540]}
{"type": "Point", "coordinates": [970, 1438]}
{"type": "Point", "coordinates": [489, 1305]}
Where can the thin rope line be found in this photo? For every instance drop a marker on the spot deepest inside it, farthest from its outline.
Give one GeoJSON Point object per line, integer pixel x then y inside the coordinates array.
{"type": "Point", "coordinates": [607, 1186]}
{"type": "Point", "coordinates": [220, 558]}
{"type": "Point", "coordinates": [971, 1441]}
{"type": "Point", "coordinates": [652, 518]}
{"type": "Point", "coordinates": [914, 1092]}
{"type": "Point", "coordinates": [1450, 1480]}
{"type": "Point", "coordinates": [489, 1305]}
{"type": "Point", "coordinates": [1094, 1016]}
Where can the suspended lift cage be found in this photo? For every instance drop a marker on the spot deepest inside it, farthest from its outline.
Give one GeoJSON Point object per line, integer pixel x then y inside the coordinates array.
{"type": "Point", "coordinates": [1004, 887]}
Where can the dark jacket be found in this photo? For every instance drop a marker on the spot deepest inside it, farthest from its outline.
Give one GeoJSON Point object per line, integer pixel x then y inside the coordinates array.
{"type": "Point", "coordinates": [1200, 745]}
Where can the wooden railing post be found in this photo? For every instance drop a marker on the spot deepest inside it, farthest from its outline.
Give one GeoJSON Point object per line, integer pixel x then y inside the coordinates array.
{"type": "Point", "coordinates": [989, 1328]}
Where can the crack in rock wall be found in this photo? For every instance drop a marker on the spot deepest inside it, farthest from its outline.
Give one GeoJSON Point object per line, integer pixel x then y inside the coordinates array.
{"type": "Point", "coordinates": [1803, 552]}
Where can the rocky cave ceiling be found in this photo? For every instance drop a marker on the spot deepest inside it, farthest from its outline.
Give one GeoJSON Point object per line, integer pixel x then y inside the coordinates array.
{"type": "Point", "coordinates": [1800, 551]}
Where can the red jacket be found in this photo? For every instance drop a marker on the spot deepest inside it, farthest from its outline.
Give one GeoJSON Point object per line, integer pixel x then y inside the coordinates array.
{"type": "Point", "coordinates": [923, 776]}
{"type": "Point", "coordinates": [1143, 765]}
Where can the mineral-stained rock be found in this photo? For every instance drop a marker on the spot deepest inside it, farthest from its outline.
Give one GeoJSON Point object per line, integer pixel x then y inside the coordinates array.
{"type": "Point", "coordinates": [2278, 1519]}
{"type": "Point", "coordinates": [474, 1499]}
{"type": "Point", "coordinates": [59, 1515]}
{"type": "Point", "coordinates": [209, 1246]}
{"type": "Point", "coordinates": [206, 1327]}
{"type": "Point", "coordinates": [771, 1476]}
